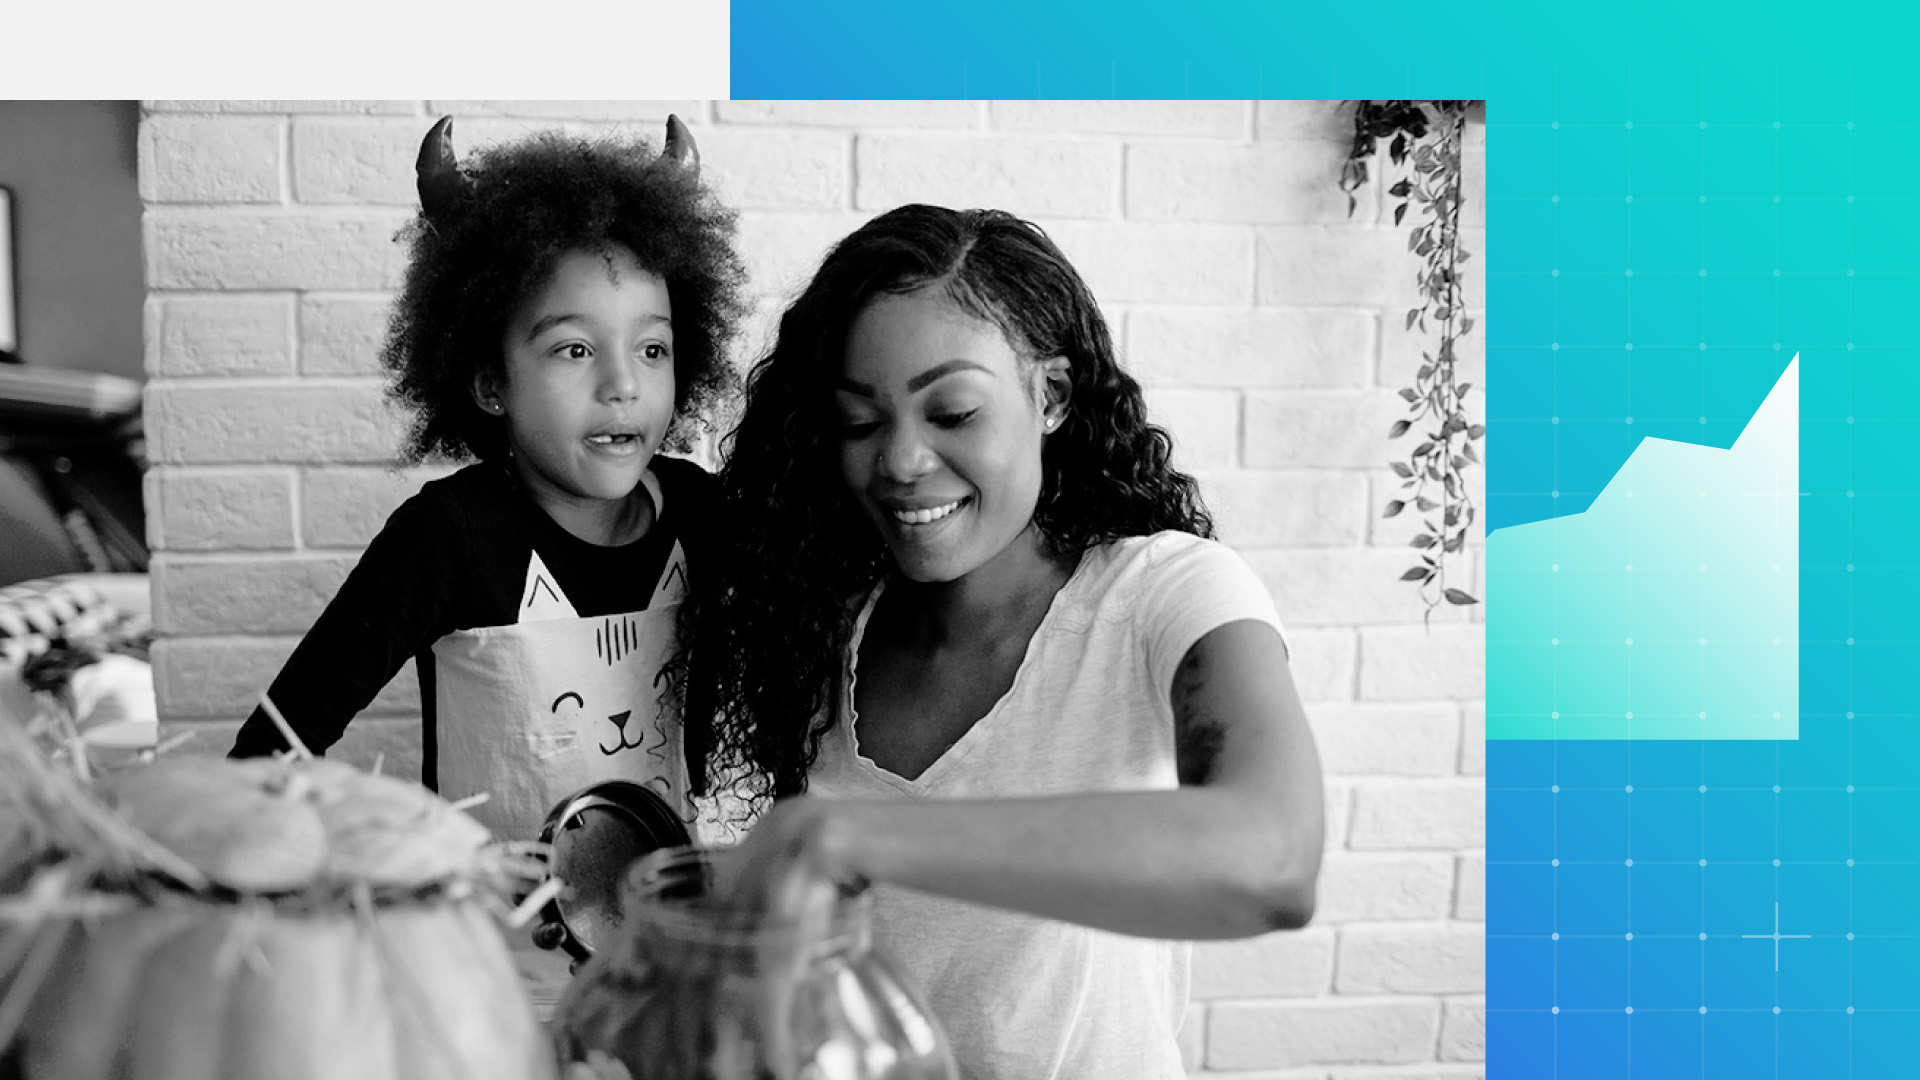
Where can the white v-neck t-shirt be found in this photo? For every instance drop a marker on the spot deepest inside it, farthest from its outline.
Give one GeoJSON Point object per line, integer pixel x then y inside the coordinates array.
{"type": "Point", "coordinates": [1022, 997]}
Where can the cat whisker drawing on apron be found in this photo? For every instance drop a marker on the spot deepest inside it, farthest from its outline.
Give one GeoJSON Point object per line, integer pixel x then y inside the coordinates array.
{"type": "Point", "coordinates": [531, 713]}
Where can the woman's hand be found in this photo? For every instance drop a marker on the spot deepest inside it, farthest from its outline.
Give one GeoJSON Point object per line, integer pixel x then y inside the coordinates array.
{"type": "Point", "coordinates": [786, 870]}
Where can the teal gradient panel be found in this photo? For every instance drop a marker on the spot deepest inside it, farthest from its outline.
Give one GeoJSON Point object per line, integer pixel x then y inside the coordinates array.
{"type": "Point", "coordinates": [1719, 831]}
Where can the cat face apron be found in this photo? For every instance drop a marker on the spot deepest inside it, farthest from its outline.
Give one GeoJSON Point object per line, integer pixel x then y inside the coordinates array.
{"type": "Point", "coordinates": [531, 713]}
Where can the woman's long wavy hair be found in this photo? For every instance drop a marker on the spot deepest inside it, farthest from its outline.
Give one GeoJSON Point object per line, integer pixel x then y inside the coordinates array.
{"type": "Point", "coordinates": [770, 612]}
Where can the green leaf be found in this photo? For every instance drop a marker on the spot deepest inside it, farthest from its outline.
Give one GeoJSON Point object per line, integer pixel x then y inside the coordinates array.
{"type": "Point", "coordinates": [1393, 508]}
{"type": "Point", "coordinates": [1418, 573]}
{"type": "Point", "coordinates": [1399, 212]}
{"type": "Point", "coordinates": [1409, 395]}
{"type": "Point", "coordinates": [1412, 314]}
{"type": "Point", "coordinates": [1456, 543]}
{"type": "Point", "coordinates": [1455, 596]}
{"type": "Point", "coordinates": [1474, 431]}
{"type": "Point", "coordinates": [1400, 469]}
{"type": "Point", "coordinates": [1422, 541]}
{"type": "Point", "coordinates": [1453, 516]}
{"type": "Point", "coordinates": [1399, 428]}
{"type": "Point", "coordinates": [1466, 325]}
{"type": "Point", "coordinates": [1423, 450]}
{"type": "Point", "coordinates": [1461, 390]}
{"type": "Point", "coordinates": [1399, 190]}
{"type": "Point", "coordinates": [1466, 451]}
{"type": "Point", "coordinates": [1425, 503]}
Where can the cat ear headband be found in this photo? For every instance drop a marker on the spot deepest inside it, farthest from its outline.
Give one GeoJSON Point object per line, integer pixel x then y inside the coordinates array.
{"type": "Point", "coordinates": [443, 187]}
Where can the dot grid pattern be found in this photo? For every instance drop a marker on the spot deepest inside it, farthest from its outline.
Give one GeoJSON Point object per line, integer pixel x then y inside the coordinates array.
{"type": "Point", "coordinates": [1662, 242]}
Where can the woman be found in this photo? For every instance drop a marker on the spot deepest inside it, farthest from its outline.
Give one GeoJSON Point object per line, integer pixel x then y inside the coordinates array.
{"type": "Point", "coordinates": [965, 623]}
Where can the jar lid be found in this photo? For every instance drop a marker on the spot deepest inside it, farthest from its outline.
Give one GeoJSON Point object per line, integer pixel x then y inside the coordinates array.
{"type": "Point", "coordinates": [593, 836]}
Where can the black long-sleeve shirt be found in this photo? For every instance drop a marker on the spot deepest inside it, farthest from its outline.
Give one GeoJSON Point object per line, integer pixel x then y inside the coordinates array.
{"type": "Point", "coordinates": [454, 557]}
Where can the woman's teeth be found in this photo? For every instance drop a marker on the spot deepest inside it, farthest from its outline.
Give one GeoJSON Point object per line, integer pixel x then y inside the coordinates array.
{"type": "Point", "coordinates": [610, 440]}
{"type": "Point", "coordinates": [923, 517]}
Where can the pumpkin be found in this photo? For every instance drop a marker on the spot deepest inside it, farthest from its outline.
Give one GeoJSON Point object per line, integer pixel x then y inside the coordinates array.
{"type": "Point", "coordinates": [290, 920]}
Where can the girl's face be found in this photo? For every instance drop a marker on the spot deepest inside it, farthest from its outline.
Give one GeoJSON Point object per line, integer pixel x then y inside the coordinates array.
{"type": "Point", "coordinates": [588, 386]}
{"type": "Point", "coordinates": [941, 433]}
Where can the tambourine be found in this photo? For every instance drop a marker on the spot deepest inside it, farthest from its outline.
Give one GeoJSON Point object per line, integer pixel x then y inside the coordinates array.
{"type": "Point", "coordinates": [593, 836]}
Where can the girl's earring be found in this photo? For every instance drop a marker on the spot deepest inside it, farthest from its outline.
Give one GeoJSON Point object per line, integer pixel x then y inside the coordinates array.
{"type": "Point", "coordinates": [493, 406]}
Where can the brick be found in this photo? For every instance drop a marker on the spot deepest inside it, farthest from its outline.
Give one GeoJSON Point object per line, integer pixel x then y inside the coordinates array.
{"type": "Point", "coordinates": [345, 508]}
{"type": "Point", "coordinates": [762, 169]}
{"type": "Point", "coordinates": [1193, 1037]}
{"type": "Point", "coordinates": [219, 335]}
{"type": "Point", "coordinates": [1396, 531]}
{"type": "Point", "coordinates": [1182, 119]}
{"type": "Point", "coordinates": [1409, 815]}
{"type": "Point", "coordinates": [1159, 264]}
{"type": "Point", "coordinates": [1385, 740]}
{"type": "Point", "coordinates": [1296, 508]}
{"type": "Point", "coordinates": [1473, 185]}
{"type": "Point", "coordinates": [361, 108]}
{"type": "Point", "coordinates": [243, 595]}
{"type": "Point", "coordinates": [1328, 121]}
{"type": "Point", "coordinates": [1269, 184]}
{"type": "Point", "coordinates": [1347, 586]}
{"type": "Point", "coordinates": [272, 249]}
{"type": "Point", "coordinates": [1412, 664]}
{"type": "Point", "coordinates": [1205, 425]}
{"type": "Point", "coordinates": [1439, 959]}
{"type": "Point", "coordinates": [1473, 272]}
{"type": "Point", "coordinates": [342, 335]}
{"type": "Point", "coordinates": [1264, 1035]}
{"type": "Point", "coordinates": [1334, 265]}
{"type": "Point", "coordinates": [1433, 1071]}
{"type": "Point", "coordinates": [1295, 963]}
{"type": "Point", "coordinates": [1470, 890]}
{"type": "Point", "coordinates": [1473, 737]}
{"type": "Point", "coordinates": [657, 111]}
{"type": "Point", "coordinates": [1030, 177]}
{"type": "Point", "coordinates": [1339, 810]}
{"type": "Point", "coordinates": [358, 162]}
{"type": "Point", "coordinates": [206, 160]}
{"type": "Point", "coordinates": [1321, 662]}
{"type": "Point", "coordinates": [1356, 887]}
{"type": "Point", "coordinates": [856, 114]}
{"type": "Point", "coordinates": [219, 509]}
{"type": "Point", "coordinates": [1324, 430]}
{"type": "Point", "coordinates": [782, 251]}
{"type": "Point", "coordinates": [1258, 348]}
{"type": "Point", "coordinates": [214, 425]}
{"type": "Point", "coordinates": [1463, 1029]}
{"type": "Point", "coordinates": [1404, 351]}
{"type": "Point", "coordinates": [223, 677]}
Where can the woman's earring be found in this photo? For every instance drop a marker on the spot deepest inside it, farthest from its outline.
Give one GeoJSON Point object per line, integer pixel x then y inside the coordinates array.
{"type": "Point", "coordinates": [1052, 422]}
{"type": "Point", "coordinates": [493, 406]}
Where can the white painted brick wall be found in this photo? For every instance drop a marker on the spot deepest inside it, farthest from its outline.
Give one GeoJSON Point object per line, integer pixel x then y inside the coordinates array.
{"type": "Point", "coordinates": [1265, 323]}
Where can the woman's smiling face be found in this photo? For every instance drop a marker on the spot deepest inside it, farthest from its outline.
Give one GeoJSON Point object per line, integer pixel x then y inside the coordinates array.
{"type": "Point", "coordinates": [941, 432]}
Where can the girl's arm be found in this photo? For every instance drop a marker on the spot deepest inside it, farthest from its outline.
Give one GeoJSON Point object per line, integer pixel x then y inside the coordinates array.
{"type": "Point", "coordinates": [386, 611]}
{"type": "Point", "coordinates": [1234, 852]}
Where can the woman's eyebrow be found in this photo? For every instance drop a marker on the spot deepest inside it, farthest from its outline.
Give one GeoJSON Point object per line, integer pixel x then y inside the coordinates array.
{"type": "Point", "coordinates": [940, 371]}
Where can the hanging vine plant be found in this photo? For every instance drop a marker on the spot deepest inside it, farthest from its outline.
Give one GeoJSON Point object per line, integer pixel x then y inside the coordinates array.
{"type": "Point", "coordinates": [1429, 134]}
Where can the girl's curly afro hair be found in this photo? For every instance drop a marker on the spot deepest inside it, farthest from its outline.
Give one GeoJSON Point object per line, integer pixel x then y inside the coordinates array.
{"type": "Point", "coordinates": [767, 620]}
{"type": "Point", "coordinates": [527, 204]}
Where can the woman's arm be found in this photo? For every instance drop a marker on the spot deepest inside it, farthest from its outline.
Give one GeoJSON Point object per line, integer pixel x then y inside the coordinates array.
{"type": "Point", "coordinates": [1234, 852]}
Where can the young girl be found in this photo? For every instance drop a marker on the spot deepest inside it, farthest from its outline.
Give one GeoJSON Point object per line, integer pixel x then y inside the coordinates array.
{"type": "Point", "coordinates": [565, 312]}
{"type": "Point", "coordinates": [963, 601]}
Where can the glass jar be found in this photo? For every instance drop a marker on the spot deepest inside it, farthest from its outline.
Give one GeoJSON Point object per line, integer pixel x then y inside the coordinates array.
{"type": "Point", "coordinates": [694, 990]}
